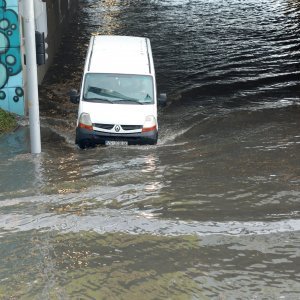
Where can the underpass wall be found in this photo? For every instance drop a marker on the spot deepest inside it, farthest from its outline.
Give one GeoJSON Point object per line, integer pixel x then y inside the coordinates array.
{"type": "Point", "coordinates": [13, 81]}
{"type": "Point", "coordinates": [11, 58]}
{"type": "Point", "coordinates": [59, 14]}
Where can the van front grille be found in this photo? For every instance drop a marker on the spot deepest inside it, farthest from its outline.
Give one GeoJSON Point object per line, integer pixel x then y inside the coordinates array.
{"type": "Point", "coordinates": [104, 126]}
{"type": "Point", "coordinates": [131, 127]}
{"type": "Point", "coordinates": [111, 126]}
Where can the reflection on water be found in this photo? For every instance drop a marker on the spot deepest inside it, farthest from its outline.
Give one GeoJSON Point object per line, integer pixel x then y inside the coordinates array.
{"type": "Point", "coordinates": [212, 211]}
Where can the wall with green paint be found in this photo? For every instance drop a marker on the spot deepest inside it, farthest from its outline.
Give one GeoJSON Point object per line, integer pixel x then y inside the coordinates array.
{"type": "Point", "coordinates": [11, 75]}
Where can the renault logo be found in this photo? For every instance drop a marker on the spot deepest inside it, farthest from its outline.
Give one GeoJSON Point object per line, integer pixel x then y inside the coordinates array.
{"type": "Point", "coordinates": [117, 128]}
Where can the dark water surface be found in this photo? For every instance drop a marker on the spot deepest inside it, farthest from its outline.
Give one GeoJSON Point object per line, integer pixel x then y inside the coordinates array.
{"type": "Point", "coordinates": [212, 211]}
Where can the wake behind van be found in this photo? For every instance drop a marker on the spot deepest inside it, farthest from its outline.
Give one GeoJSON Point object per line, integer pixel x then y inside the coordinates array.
{"type": "Point", "coordinates": [118, 100]}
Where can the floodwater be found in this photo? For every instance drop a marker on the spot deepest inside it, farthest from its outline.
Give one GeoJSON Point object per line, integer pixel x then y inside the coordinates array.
{"type": "Point", "coordinates": [212, 211]}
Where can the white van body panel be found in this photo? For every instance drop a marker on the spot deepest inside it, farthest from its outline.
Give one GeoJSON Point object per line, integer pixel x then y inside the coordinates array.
{"type": "Point", "coordinates": [118, 113]}
{"type": "Point", "coordinates": [120, 54]}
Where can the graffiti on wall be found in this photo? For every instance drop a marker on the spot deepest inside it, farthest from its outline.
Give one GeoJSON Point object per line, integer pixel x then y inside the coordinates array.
{"type": "Point", "coordinates": [11, 77]}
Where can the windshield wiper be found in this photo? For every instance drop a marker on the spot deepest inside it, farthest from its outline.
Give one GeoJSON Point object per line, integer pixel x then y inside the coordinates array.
{"type": "Point", "coordinates": [135, 101]}
{"type": "Point", "coordinates": [109, 93]}
{"type": "Point", "coordinates": [98, 100]}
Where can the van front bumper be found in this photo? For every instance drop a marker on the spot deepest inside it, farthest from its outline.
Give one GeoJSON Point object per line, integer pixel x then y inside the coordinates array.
{"type": "Point", "coordinates": [86, 137]}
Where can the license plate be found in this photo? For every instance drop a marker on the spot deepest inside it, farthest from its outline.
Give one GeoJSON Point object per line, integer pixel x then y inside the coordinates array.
{"type": "Point", "coordinates": [116, 143]}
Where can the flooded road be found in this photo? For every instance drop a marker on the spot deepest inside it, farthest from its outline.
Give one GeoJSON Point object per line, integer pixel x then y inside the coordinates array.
{"type": "Point", "coordinates": [212, 211]}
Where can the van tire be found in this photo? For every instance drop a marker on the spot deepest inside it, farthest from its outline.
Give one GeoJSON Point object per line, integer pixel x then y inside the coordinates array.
{"type": "Point", "coordinates": [85, 144]}
{"type": "Point", "coordinates": [153, 142]}
{"type": "Point", "coordinates": [81, 145]}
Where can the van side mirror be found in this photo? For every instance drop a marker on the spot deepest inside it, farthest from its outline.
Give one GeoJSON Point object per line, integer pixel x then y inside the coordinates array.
{"type": "Point", "coordinates": [162, 99]}
{"type": "Point", "coordinates": [74, 96]}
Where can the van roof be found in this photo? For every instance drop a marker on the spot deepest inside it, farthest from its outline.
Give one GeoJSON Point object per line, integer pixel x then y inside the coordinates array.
{"type": "Point", "coordinates": [120, 54]}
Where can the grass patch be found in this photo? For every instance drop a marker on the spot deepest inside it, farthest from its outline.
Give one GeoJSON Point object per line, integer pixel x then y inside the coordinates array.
{"type": "Point", "coordinates": [7, 122]}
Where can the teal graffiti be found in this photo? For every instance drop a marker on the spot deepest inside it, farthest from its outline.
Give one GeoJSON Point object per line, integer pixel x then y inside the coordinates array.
{"type": "Point", "coordinates": [3, 75]}
{"type": "Point", "coordinates": [10, 53]}
{"type": "Point", "coordinates": [2, 95]}
{"type": "Point", "coordinates": [4, 24]}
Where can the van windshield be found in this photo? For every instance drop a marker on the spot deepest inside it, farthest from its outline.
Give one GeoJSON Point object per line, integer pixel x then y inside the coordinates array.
{"type": "Point", "coordinates": [118, 88]}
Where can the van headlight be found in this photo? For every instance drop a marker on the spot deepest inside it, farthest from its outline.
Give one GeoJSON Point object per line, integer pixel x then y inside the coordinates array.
{"type": "Point", "coordinates": [85, 121]}
{"type": "Point", "coordinates": [149, 124]}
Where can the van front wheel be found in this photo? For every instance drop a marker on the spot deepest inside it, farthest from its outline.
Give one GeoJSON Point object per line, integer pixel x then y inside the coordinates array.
{"type": "Point", "coordinates": [154, 142]}
{"type": "Point", "coordinates": [82, 144]}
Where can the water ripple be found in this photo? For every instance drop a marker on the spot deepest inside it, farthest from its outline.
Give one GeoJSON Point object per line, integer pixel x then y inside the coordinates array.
{"type": "Point", "coordinates": [106, 220]}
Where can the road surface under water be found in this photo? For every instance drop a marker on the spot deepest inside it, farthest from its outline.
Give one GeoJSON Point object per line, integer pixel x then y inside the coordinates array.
{"type": "Point", "coordinates": [212, 211]}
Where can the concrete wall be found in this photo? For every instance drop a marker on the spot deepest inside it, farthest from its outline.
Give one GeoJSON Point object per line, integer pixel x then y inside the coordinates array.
{"type": "Point", "coordinates": [13, 80]}
{"type": "Point", "coordinates": [11, 65]}
{"type": "Point", "coordinates": [59, 14]}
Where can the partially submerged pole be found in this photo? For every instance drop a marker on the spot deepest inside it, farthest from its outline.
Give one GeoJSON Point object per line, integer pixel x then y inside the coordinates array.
{"type": "Point", "coordinates": [31, 72]}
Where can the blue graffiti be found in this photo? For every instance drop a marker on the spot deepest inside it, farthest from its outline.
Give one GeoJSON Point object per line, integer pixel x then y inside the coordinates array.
{"type": "Point", "coordinates": [10, 53]}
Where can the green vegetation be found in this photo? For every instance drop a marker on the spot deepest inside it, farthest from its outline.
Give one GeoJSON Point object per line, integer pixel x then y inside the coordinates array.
{"type": "Point", "coordinates": [7, 121]}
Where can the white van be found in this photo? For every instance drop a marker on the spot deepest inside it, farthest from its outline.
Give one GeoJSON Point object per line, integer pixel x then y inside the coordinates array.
{"type": "Point", "coordinates": [117, 101]}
